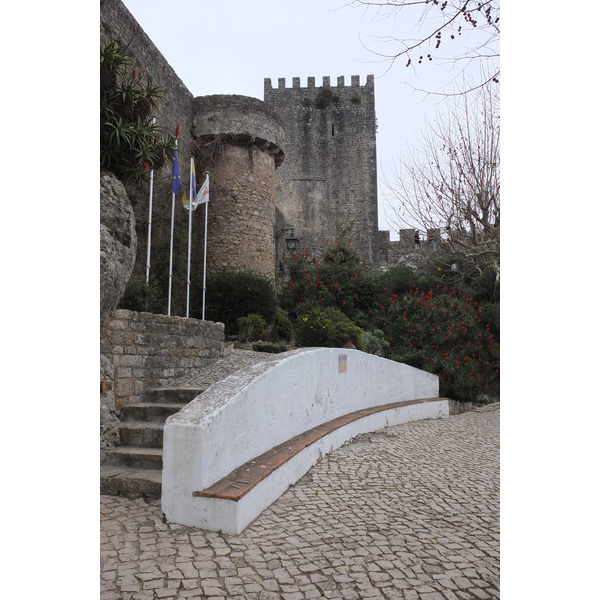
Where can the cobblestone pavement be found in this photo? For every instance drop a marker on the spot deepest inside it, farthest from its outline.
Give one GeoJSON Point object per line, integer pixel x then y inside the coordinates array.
{"type": "Point", "coordinates": [411, 512]}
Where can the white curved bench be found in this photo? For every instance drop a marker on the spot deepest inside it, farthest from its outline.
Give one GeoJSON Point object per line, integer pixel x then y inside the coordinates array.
{"type": "Point", "coordinates": [234, 450]}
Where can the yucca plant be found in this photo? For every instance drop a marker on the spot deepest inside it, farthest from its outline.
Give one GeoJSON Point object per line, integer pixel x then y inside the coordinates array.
{"type": "Point", "coordinates": [130, 142]}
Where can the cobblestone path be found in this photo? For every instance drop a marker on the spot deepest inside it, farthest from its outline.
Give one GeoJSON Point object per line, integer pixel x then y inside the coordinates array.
{"type": "Point", "coordinates": [411, 512]}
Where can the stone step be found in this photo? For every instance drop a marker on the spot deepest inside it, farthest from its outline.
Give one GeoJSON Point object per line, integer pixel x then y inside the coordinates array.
{"type": "Point", "coordinates": [150, 411]}
{"type": "Point", "coordinates": [137, 457]}
{"type": "Point", "coordinates": [173, 394]}
{"type": "Point", "coordinates": [142, 433]}
{"type": "Point", "coordinates": [132, 482]}
{"type": "Point", "coordinates": [135, 467]}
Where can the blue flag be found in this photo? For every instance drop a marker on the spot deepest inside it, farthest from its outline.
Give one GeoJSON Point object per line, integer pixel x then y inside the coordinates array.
{"type": "Point", "coordinates": [176, 185]}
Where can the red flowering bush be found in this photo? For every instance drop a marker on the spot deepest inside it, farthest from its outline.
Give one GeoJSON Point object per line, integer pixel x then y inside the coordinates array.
{"type": "Point", "coordinates": [443, 333]}
{"type": "Point", "coordinates": [442, 330]}
{"type": "Point", "coordinates": [337, 280]}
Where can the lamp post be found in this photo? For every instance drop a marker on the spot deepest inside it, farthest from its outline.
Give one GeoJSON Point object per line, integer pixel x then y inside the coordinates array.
{"type": "Point", "coordinates": [292, 243]}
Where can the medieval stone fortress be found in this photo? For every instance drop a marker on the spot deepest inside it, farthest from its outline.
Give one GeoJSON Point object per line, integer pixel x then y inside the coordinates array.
{"type": "Point", "coordinates": [301, 161]}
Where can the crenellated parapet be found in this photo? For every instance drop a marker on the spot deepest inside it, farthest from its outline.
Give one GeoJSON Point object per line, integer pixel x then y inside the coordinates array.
{"type": "Point", "coordinates": [310, 83]}
{"type": "Point", "coordinates": [408, 249]}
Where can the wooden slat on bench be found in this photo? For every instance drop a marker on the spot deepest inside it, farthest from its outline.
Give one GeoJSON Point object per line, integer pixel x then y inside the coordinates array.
{"type": "Point", "coordinates": [240, 481]}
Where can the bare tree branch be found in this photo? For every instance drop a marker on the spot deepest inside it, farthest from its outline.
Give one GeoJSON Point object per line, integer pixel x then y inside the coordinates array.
{"type": "Point", "coordinates": [441, 22]}
{"type": "Point", "coordinates": [452, 182]}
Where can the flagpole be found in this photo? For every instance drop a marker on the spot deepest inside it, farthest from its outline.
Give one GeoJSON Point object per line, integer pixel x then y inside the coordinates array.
{"type": "Point", "coordinates": [191, 208]}
{"type": "Point", "coordinates": [205, 237]}
{"type": "Point", "coordinates": [171, 251]}
{"type": "Point", "coordinates": [149, 226]}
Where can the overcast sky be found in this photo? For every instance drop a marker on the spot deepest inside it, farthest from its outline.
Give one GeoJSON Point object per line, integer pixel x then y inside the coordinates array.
{"type": "Point", "coordinates": [229, 47]}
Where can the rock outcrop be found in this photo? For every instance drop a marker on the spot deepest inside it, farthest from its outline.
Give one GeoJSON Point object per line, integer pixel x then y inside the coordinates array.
{"type": "Point", "coordinates": [118, 243]}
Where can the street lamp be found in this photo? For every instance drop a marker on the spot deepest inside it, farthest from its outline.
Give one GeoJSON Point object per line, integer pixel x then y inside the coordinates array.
{"type": "Point", "coordinates": [292, 243]}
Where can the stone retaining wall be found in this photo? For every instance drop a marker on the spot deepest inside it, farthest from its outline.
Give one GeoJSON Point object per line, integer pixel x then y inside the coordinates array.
{"type": "Point", "coordinates": [149, 350]}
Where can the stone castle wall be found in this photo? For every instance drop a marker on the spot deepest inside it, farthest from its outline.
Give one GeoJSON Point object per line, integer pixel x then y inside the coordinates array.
{"type": "Point", "coordinates": [327, 186]}
{"type": "Point", "coordinates": [177, 106]}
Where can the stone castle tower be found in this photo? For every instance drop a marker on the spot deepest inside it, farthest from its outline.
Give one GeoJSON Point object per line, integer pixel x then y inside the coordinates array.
{"type": "Point", "coordinates": [240, 141]}
{"type": "Point", "coordinates": [326, 188]}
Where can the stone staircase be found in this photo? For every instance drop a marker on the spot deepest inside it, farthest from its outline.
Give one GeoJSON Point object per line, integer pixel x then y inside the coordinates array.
{"type": "Point", "coordinates": [134, 468]}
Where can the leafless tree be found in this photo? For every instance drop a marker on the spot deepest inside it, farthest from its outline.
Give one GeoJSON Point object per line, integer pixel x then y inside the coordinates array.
{"type": "Point", "coordinates": [460, 32]}
{"type": "Point", "coordinates": [452, 182]}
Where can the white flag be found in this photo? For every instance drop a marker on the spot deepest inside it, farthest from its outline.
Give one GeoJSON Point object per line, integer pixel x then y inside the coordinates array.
{"type": "Point", "coordinates": [201, 196]}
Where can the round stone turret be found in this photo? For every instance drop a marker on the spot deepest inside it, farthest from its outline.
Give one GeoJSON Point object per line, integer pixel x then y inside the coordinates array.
{"type": "Point", "coordinates": [240, 142]}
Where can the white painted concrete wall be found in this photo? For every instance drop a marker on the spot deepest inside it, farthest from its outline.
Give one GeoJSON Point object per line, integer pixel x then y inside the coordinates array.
{"type": "Point", "coordinates": [232, 517]}
{"type": "Point", "coordinates": [260, 407]}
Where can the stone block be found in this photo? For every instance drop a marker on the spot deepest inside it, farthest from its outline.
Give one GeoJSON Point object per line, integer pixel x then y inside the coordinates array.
{"type": "Point", "coordinates": [124, 387]}
{"type": "Point", "coordinates": [130, 361]}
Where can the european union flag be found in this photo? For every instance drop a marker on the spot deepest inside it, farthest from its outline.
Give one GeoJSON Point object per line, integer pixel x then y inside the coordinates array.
{"type": "Point", "coordinates": [176, 185]}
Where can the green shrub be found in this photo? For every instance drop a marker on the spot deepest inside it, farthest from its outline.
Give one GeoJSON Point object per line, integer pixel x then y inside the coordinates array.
{"type": "Point", "coordinates": [234, 294]}
{"type": "Point", "coordinates": [269, 348]}
{"type": "Point", "coordinates": [337, 280]}
{"type": "Point", "coordinates": [491, 315]}
{"type": "Point", "coordinates": [328, 328]}
{"type": "Point", "coordinates": [396, 280]}
{"type": "Point", "coordinates": [251, 328]}
{"type": "Point", "coordinates": [374, 342]}
{"type": "Point", "coordinates": [142, 298]}
{"type": "Point", "coordinates": [282, 328]}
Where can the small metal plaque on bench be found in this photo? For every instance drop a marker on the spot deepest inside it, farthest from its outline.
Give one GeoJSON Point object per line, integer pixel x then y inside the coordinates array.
{"type": "Point", "coordinates": [342, 363]}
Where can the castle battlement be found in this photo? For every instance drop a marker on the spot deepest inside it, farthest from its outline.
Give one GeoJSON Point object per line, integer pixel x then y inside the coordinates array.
{"type": "Point", "coordinates": [310, 82]}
